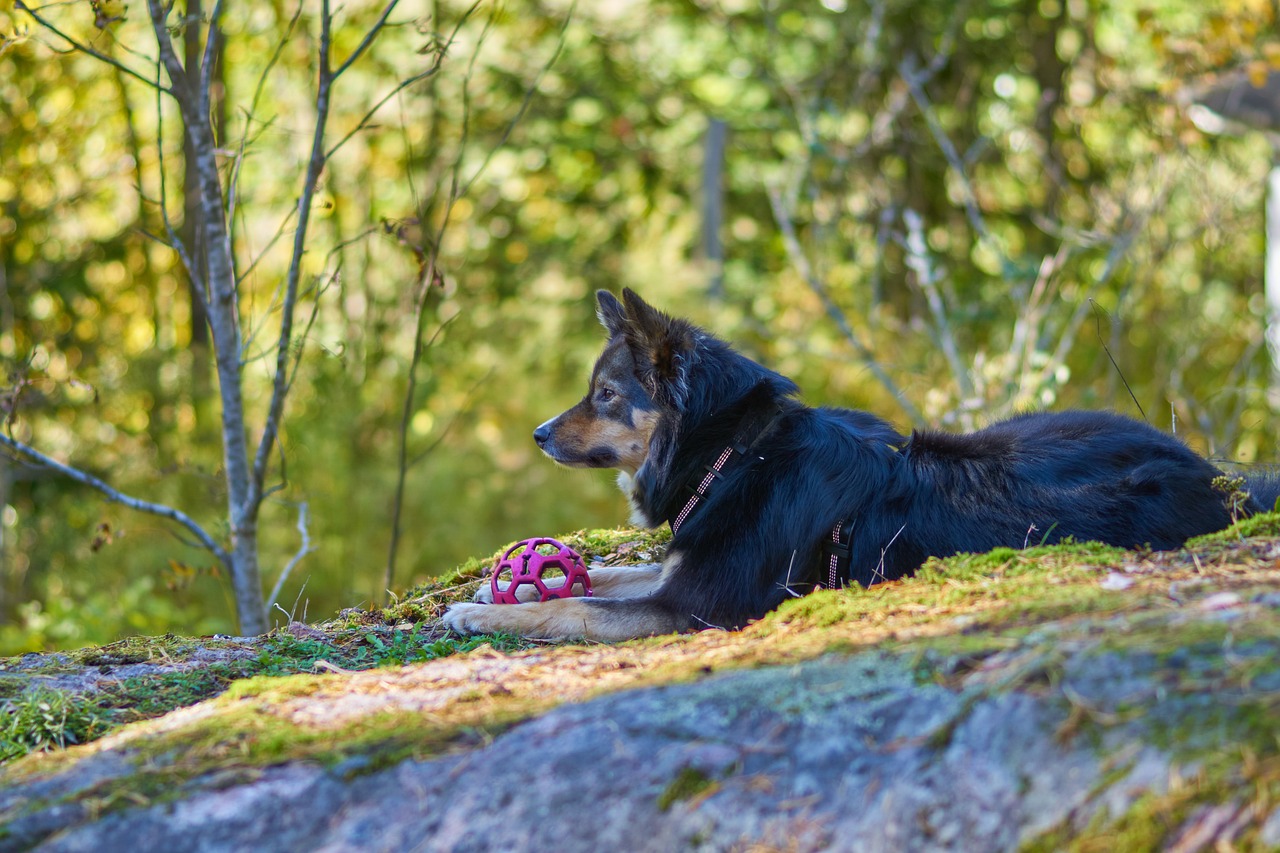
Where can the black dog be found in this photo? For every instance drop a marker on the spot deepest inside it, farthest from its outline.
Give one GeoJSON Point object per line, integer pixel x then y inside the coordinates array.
{"type": "Point", "coordinates": [766, 495]}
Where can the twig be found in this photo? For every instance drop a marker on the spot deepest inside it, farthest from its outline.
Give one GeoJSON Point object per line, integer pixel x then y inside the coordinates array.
{"type": "Point", "coordinates": [462, 409]}
{"type": "Point", "coordinates": [234, 184]}
{"type": "Point", "coordinates": [529, 92]}
{"type": "Point", "coordinates": [915, 85]}
{"type": "Point", "coordinates": [367, 40]}
{"type": "Point", "coordinates": [280, 383]}
{"type": "Point", "coordinates": [364, 121]}
{"type": "Point", "coordinates": [86, 49]}
{"type": "Point", "coordinates": [275, 238]}
{"type": "Point", "coordinates": [801, 262]}
{"type": "Point", "coordinates": [1098, 312]}
{"type": "Point", "coordinates": [303, 550]}
{"type": "Point", "coordinates": [456, 190]}
{"type": "Point", "coordinates": [786, 585]}
{"type": "Point", "coordinates": [27, 451]}
{"type": "Point", "coordinates": [918, 259]}
{"type": "Point", "coordinates": [879, 571]}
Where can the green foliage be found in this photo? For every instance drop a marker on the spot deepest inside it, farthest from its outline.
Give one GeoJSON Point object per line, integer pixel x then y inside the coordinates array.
{"type": "Point", "coordinates": [42, 720]}
{"type": "Point", "coordinates": [285, 654]}
{"type": "Point", "coordinates": [1234, 495]}
{"type": "Point", "coordinates": [1264, 524]}
{"type": "Point", "coordinates": [1078, 189]}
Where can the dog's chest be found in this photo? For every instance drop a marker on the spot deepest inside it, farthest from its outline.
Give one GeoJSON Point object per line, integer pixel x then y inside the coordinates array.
{"type": "Point", "coordinates": [627, 483]}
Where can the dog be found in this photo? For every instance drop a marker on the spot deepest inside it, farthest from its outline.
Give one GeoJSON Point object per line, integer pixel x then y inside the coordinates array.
{"type": "Point", "coordinates": [767, 497]}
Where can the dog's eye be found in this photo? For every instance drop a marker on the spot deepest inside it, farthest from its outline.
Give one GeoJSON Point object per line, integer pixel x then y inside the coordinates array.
{"type": "Point", "coordinates": [606, 394]}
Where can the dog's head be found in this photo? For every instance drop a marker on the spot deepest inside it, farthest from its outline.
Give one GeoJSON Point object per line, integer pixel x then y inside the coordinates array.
{"type": "Point", "coordinates": [642, 372]}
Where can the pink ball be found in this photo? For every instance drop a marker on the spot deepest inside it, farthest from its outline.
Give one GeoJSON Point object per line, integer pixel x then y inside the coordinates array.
{"type": "Point", "coordinates": [524, 564]}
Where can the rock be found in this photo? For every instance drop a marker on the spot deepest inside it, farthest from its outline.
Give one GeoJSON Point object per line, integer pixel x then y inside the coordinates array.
{"type": "Point", "coordinates": [899, 718]}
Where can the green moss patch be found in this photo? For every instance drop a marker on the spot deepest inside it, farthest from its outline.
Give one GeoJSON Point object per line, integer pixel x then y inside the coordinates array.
{"type": "Point", "coordinates": [690, 783]}
{"type": "Point", "coordinates": [1262, 525]}
{"type": "Point", "coordinates": [166, 673]}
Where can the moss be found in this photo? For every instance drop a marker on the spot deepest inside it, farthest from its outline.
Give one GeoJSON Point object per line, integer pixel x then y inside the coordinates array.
{"type": "Point", "coordinates": [132, 650]}
{"type": "Point", "coordinates": [690, 783]}
{"type": "Point", "coordinates": [1010, 562]}
{"type": "Point", "coordinates": [1003, 588]}
{"type": "Point", "coordinates": [1264, 524]}
{"type": "Point", "coordinates": [113, 703]}
{"type": "Point", "coordinates": [45, 719]}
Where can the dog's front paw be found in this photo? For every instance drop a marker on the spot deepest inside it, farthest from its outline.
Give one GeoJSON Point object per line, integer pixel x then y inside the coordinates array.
{"type": "Point", "coordinates": [466, 618]}
{"type": "Point", "coordinates": [484, 595]}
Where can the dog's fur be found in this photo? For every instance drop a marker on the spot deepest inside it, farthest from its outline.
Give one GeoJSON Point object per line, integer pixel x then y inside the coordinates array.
{"type": "Point", "coordinates": [666, 398]}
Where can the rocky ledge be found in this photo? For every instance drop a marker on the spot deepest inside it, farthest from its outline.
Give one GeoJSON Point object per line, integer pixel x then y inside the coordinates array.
{"type": "Point", "coordinates": [1056, 698]}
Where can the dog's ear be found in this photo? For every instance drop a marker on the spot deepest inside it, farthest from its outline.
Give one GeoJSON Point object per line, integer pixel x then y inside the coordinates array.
{"type": "Point", "coordinates": [611, 313]}
{"type": "Point", "coordinates": [661, 346]}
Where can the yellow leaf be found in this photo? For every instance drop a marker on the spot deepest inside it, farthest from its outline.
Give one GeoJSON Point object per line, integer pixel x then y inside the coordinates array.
{"type": "Point", "coordinates": [107, 12]}
{"type": "Point", "coordinates": [1258, 72]}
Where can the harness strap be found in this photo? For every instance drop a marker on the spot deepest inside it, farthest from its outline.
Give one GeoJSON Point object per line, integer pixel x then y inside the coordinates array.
{"type": "Point", "coordinates": [753, 428]}
{"type": "Point", "coordinates": [838, 551]}
{"type": "Point", "coordinates": [713, 473]}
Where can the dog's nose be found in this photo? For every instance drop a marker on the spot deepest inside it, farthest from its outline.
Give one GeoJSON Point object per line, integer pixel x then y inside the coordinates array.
{"type": "Point", "coordinates": [542, 434]}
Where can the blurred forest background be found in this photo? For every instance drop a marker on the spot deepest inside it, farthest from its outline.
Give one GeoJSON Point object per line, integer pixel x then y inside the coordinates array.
{"type": "Point", "coordinates": [942, 212]}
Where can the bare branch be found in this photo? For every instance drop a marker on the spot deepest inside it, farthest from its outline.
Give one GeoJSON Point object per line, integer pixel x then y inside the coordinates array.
{"type": "Point", "coordinates": [364, 121]}
{"type": "Point", "coordinates": [409, 81]}
{"type": "Point", "coordinates": [367, 40]}
{"type": "Point", "coordinates": [86, 49]}
{"type": "Point", "coordinates": [206, 64]}
{"type": "Point", "coordinates": [175, 242]}
{"type": "Point", "coordinates": [233, 189]}
{"type": "Point", "coordinates": [280, 384]}
{"type": "Point", "coordinates": [424, 288]}
{"type": "Point", "coordinates": [303, 550]}
{"type": "Point", "coordinates": [528, 98]}
{"type": "Point", "coordinates": [801, 262]}
{"type": "Point", "coordinates": [915, 84]}
{"type": "Point", "coordinates": [181, 88]}
{"type": "Point", "coordinates": [917, 258]}
{"type": "Point", "coordinates": [28, 452]}
{"type": "Point", "coordinates": [275, 238]}
{"type": "Point", "coordinates": [457, 415]}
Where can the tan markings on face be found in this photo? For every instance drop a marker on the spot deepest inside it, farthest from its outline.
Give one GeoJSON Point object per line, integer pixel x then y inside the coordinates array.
{"type": "Point", "coordinates": [636, 449]}
{"type": "Point", "coordinates": [582, 433]}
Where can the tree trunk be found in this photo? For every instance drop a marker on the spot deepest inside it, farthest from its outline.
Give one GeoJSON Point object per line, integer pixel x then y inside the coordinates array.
{"type": "Point", "coordinates": [192, 47]}
{"type": "Point", "coordinates": [1271, 280]}
{"type": "Point", "coordinates": [242, 504]}
{"type": "Point", "coordinates": [191, 91]}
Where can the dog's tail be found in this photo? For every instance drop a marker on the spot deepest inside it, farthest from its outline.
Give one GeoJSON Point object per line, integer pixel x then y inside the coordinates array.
{"type": "Point", "coordinates": [1264, 485]}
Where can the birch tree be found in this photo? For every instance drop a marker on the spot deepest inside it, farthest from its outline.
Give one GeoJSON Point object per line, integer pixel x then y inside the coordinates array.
{"type": "Point", "coordinates": [248, 448]}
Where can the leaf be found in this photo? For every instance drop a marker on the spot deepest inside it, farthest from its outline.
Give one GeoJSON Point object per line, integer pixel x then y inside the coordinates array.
{"type": "Point", "coordinates": [1258, 72]}
{"type": "Point", "coordinates": [107, 12]}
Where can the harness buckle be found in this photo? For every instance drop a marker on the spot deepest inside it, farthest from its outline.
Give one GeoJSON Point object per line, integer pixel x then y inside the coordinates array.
{"type": "Point", "coordinates": [842, 550]}
{"type": "Point", "coordinates": [837, 553]}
